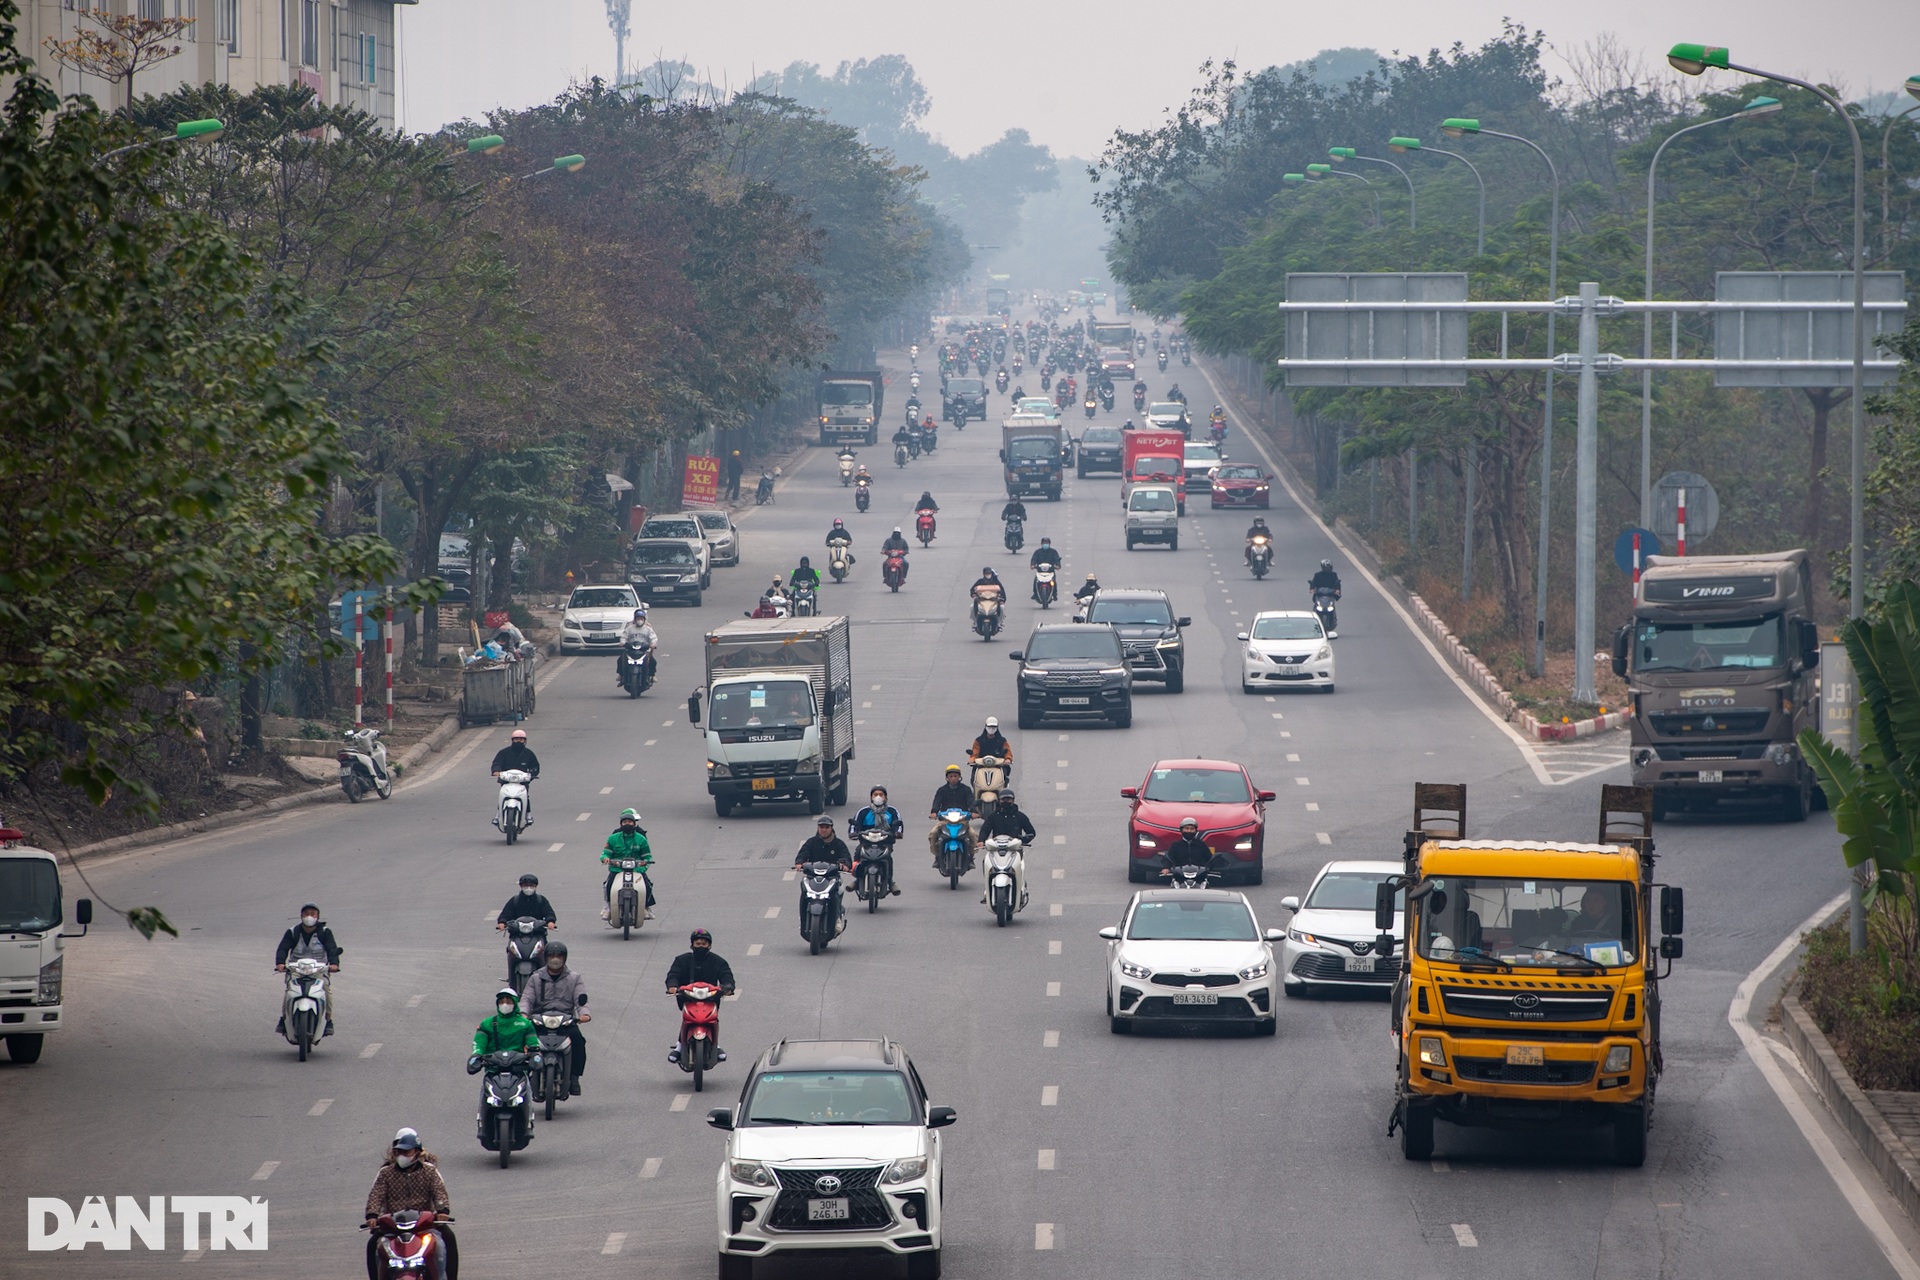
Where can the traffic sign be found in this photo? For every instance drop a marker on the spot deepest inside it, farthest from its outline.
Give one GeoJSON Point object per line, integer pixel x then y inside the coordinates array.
{"type": "Point", "coordinates": [1703, 507]}
{"type": "Point", "coordinates": [1623, 548]}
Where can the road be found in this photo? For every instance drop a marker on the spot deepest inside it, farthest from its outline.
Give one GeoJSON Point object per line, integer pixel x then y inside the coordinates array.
{"type": "Point", "coordinates": [1077, 1154]}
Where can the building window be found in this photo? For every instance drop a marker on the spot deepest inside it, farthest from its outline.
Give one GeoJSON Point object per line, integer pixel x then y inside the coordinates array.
{"type": "Point", "coordinates": [226, 24]}
{"type": "Point", "coordinates": [185, 9]}
{"type": "Point", "coordinates": [310, 33]}
{"type": "Point", "coordinates": [152, 10]}
{"type": "Point", "coordinates": [369, 59]}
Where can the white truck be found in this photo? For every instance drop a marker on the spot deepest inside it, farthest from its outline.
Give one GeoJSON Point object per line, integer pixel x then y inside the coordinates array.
{"type": "Point", "coordinates": [778, 713]}
{"type": "Point", "coordinates": [32, 944]}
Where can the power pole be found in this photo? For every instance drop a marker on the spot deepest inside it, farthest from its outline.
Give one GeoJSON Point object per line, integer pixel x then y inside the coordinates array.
{"type": "Point", "coordinates": [620, 19]}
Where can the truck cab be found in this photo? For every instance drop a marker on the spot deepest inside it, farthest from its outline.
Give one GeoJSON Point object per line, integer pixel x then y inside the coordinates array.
{"type": "Point", "coordinates": [32, 945]}
{"type": "Point", "coordinates": [1032, 452]}
{"type": "Point", "coordinates": [1530, 993]}
{"type": "Point", "coordinates": [777, 712]}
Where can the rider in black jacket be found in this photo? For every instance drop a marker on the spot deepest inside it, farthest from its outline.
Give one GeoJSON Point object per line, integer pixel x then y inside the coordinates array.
{"type": "Point", "coordinates": [700, 963]}
{"type": "Point", "coordinates": [1046, 555]}
{"type": "Point", "coordinates": [528, 902]}
{"type": "Point", "coordinates": [1189, 849]}
{"type": "Point", "coordinates": [1325, 580]}
{"type": "Point", "coordinates": [1007, 820]}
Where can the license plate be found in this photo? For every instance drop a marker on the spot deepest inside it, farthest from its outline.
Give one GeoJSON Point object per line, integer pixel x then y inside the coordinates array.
{"type": "Point", "coordinates": [763, 784]}
{"type": "Point", "coordinates": [1197, 997]}
{"type": "Point", "coordinates": [1711, 775]}
{"type": "Point", "coordinates": [827, 1210]}
{"type": "Point", "coordinates": [1360, 964]}
{"type": "Point", "coordinates": [1075, 702]}
{"type": "Point", "coordinates": [1526, 1055]}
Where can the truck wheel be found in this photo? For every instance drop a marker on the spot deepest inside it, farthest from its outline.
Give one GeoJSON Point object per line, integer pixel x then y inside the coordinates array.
{"type": "Point", "coordinates": [837, 793]}
{"type": "Point", "coordinates": [723, 806]}
{"type": "Point", "coordinates": [817, 800]}
{"type": "Point", "coordinates": [1797, 801]}
{"type": "Point", "coordinates": [1416, 1132]}
{"type": "Point", "coordinates": [1173, 543]}
{"type": "Point", "coordinates": [25, 1048]}
{"type": "Point", "coordinates": [1630, 1135]}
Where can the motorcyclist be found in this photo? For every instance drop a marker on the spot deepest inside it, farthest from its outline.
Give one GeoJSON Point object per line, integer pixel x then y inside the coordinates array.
{"type": "Point", "coordinates": [1088, 590]}
{"type": "Point", "coordinates": [1325, 580]}
{"type": "Point", "coordinates": [1258, 529]}
{"type": "Point", "coordinates": [1013, 510]}
{"type": "Point", "coordinates": [880, 815]}
{"type": "Point", "coordinates": [952, 794]}
{"type": "Point", "coordinates": [926, 502]}
{"type": "Point", "coordinates": [309, 940]}
{"type": "Point", "coordinates": [1045, 556]}
{"type": "Point", "coordinates": [822, 846]}
{"type": "Point", "coordinates": [839, 535]}
{"type": "Point", "coordinates": [699, 963]}
{"type": "Point", "coordinates": [629, 841]}
{"type": "Point", "coordinates": [896, 541]}
{"type": "Point", "coordinates": [1175, 393]}
{"type": "Point", "coordinates": [991, 742]}
{"type": "Point", "coordinates": [1189, 850]}
{"type": "Point", "coordinates": [528, 902]}
{"type": "Point", "coordinates": [1005, 819]}
{"type": "Point", "coordinates": [637, 631]}
{"type": "Point", "coordinates": [555, 988]}
{"type": "Point", "coordinates": [805, 575]}
{"type": "Point", "coordinates": [517, 755]}
{"type": "Point", "coordinates": [409, 1180]}
{"type": "Point", "coordinates": [764, 609]}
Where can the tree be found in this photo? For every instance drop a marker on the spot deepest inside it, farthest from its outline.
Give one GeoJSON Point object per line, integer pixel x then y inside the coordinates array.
{"type": "Point", "coordinates": [117, 46]}
{"type": "Point", "coordinates": [1892, 498]}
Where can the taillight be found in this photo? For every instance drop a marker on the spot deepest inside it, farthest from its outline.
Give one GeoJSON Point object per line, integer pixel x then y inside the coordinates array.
{"type": "Point", "coordinates": [345, 757]}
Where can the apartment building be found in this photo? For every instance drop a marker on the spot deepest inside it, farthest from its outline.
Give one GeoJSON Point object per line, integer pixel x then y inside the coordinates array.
{"type": "Point", "coordinates": [347, 51]}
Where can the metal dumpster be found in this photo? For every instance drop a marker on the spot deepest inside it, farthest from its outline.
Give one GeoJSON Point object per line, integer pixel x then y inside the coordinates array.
{"type": "Point", "coordinates": [494, 691]}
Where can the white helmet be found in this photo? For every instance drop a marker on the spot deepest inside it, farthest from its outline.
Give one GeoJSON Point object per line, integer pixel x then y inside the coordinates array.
{"type": "Point", "coordinates": [993, 723]}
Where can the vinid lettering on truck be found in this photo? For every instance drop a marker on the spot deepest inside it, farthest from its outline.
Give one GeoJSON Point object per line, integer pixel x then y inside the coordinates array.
{"type": "Point", "coordinates": [1704, 593]}
{"type": "Point", "coordinates": [231, 1222]}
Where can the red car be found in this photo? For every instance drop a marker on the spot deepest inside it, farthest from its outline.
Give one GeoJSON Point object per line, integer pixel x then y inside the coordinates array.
{"type": "Point", "coordinates": [1219, 794]}
{"type": "Point", "coordinates": [1240, 484]}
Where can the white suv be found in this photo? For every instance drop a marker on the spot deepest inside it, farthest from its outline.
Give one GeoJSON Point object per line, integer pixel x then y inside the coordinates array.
{"type": "Point", "coordinates": [832, 1147]}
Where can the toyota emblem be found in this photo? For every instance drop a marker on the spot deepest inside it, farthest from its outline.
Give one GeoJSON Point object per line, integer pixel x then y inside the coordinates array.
{"type": "Point", "coordinates": [1361, 948]}
{"type": "Point", "coordinates": [1526, 1000]}
{"type": "Point", "coordinates": [827, 1184]}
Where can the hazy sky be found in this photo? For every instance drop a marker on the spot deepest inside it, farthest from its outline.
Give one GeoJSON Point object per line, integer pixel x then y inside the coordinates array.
{"type": "Point", "coordinates": [1069, 73]}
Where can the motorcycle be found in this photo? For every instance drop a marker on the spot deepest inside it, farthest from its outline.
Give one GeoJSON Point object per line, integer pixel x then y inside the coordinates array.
{"type": "Point", "coordinates": [628, 904]}
{"type": "Point", "coordinates": [989, 780]}
{"type": "Point", "coordinates": [1323, 598]}
{"type": "Point", "coordinates": [838, 561]}
{"type": "Point", "coordinates": [526, 950]}
{"type": "Point", "coordinates": [872, 876]}
{"type": "Point", "coordinates": [409, 1243]}
{"type": "Point", "coordinates": [900, 453]}
{"type": "Point", "coordinates": [805, 603]}
{"type": "Point", "coordinates": [505, 1117]}
{"type": "Point", "coordinates": [1046, 379]}
{"type": "Point", "coordinates": [824, 918]}
{"type": "Point", "coordinates": [637, 668]}
{"type": "Point", "coordinates": [893, 570]}
{"type": "Point", "coordinates": [1018, 365]}
{"type": "Point", "coordinates": [1045, 590]}
{"type": "Point", "coordinates": [955, 852]}
{"type": "Point", "coordinates": [862, 495]}
{"type": "Point", "coordinates": [1218, 430]}
{"type": "Point", "coordinates": [306, 1006]}
{"type": "Point", "coordinates": [363, 765]}
{"type": "Point", "coordinates": [1259, 555]}
{"type": "Point", "coordinates": [913, 380]}
{"type": "Point", "coordinates": [846, 469]}
{"type": "Point", "coordinates": [763, 492]}
{"type": "Point", "coordinates": [1106, 399]}
{"type": "Point", "coordinates": [1139, 401]}
{"type": "Point", "coordinates": [914, 438]}
{"type": "Point", "coordinates": [1000, 381]}
{"type": "Point", "coordinates": [1092, 406]}
{"type": "Point", "coordinates": [1005, 869]}
{"type": "Point", "coordinates": [1161, 360]}
{"type": "Point", "coordinates": [1186, 356]}
{"type": "Point", "coordinates": [699, 1031]}
{"type": "Point", "coordinates": [923, 528]}
{"type": "Point", "coordinates": [556, 1051]}
{"type": "Point", "coordinates": [986, 616]}
{"type": "Point", "coordinates": [1187, 875]}
{"type": "Point", "coordinates": [929, 436]}
{"type": "Point", "coordinates": [512, 818]}
{"type": "Point", "coordinates": [1015, 534]}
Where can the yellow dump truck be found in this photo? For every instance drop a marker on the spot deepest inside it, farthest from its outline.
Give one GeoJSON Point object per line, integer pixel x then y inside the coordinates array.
{"type": "Point", "coordinates": [1530, 992]}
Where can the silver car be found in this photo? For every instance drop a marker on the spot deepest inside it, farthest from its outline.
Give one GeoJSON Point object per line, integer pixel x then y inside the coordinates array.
{"type": "Point", "coordinates": [722, 538]}
{"type": "Point", "coordinates": [1330, 941]}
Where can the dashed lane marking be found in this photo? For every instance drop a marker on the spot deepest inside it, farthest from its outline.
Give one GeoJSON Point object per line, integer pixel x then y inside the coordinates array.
{"type": "Point", "coordinates": [874, 689]}
{"type": "Point", "coordinates": [413, 1002]}
{"type": "Point", "coordinates": [650, 1168]}
{"type": "Point", "coordinates": [583, 817]}
{"type": "Point", "coordinates": [1059, 764]}
{"type": "Point", "coordinates": [1059, 873]}
{"type": "Point", "coordinates": [193, 1255]}
{"type": "Point", "coordinates": [1051, 1040]}
{"type": "Point", "coordinates": [680, 1101]}
{"type": "Point", "coordinates": [1054, 909]}
{"type": "Point", "coordinates": [791, 873]}
{"type": "Point", "coordinates": [320, 1108]}
{"type": "Point", "coordinates": [1300, 782]}
{"type": "Point", "coordinates": [371, 1049]}
{"type": "Point", "coordinates": [1043, 1235]}
{"type": "Point", "coordinates": [1464, 1237]}
{"type": "Point", "coordinates": [1059, 786]}
{"type": "Point", "coordinates": [756, 948]}
{"type": "Point", "coordinates": [615, 1239]}
{"type": "Point", "coordinates": [556, 846]}
{"type": "Point", "coordinates": [1046, 1158]}
{"type": "Point", "coordinates": [1049, 1095]}
{"type": "Point", "coordinates": [1278, 716]}
{"type": "Point", "coordinates": [1053, 988]}
{"type": "Point", "coordinates": [666, 724]}
{"type": "Point", "coordinates": [773, 913]}
{"type": "Point", "coordinates": [265, 1171]}
{"type": "Point", "coordinates": [1059, 813]}
{"type": "Point", "coordinates": [606, 791]}
{"type": "Point", "coordinates": [1441, 1166]}
{"type": "Point", "coordinates": [1053, 944]}
{"type": "Point", "coordinates": [1323, 837]}
{"type": "Point", "coordinates": [1059, 839]}
{"type": "Point", "coordinates": [1063, 737]}
{"type": "Point", "coordinates": [628, 766]}
{"type": "Point", "coordinates": [1313, 806]}
{"type": "Point", "coordinates": [866, 706]}
{"type": "Point", "coordinates": [1293, 758]}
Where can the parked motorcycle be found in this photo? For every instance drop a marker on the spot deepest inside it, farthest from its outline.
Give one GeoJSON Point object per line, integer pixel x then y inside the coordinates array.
{"type": "Point", "coordinates": [408, 1244]}
{"type": "Point", "coordinates": [923, 528]}
{"type": "Point", "coordinates": [363, 765]}
{"type": "Point", "coordinates": [986, 616]}
{"type": "Point", "coordinates": [512, 815]}
{"type": "Point", "coordinates": [805, 603]}
{"type": "Point", "coordinates": [628, 905]}
{"type": "Point", "coordinates": [989, 780]}
{"type": "Point", "coordinates": [1005, 866]}
{"type": "Point", "coordinates": [862, 495]}
{"type": "Point", "coordinates": [846, 469]}
{"type": "Point", "coordinates": [699, 1030]}
{"type": "Point", "coordinates": [824, 918]}
{"type": "Point", "coordinates": [954, 856]}
{"type": "Point", "coordinates": [839, 560]}
{"type": "Point", "coordinates": [526, 950]}
{"type": "Point", "coordinates": [1015, 534]}
{"type": "Point", "coordinates": [1045, 590]}
{"type": "Point", "coordinates": [637, 668]}
{"type": "Point", "coordinates": [1259, 555]}
{"type": "Point", "coordinates": [1323, 608]}
{"type": "Point", "coordinates": [763, 492]}
{"type": "Point", "coordinates": [551, 1082]}
{"type": "Point", "coordinates": [872, 880]}
{"type": "Point", "coordinates": [893, 570]}
{"type": "Point", "coordinates": [307, 1004]}
{"type": "Point", "coordinates": [505, 1117]}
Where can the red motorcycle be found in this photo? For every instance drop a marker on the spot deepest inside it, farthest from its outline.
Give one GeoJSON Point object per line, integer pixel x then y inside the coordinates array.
{"type": "Point", "coordinates": [923, 527]}
{"type": "Point", "coordinates": [699, 1030]}
{"type": "Point", "coordinates": [893, 570]}
{"type": "Point", "coordinates": [408, 1244]}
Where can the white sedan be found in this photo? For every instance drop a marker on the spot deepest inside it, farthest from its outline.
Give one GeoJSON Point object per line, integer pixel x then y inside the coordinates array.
{"type": "Point", "coordinates": [594, 618]}
{"type": "Point", "coordinates": [1190, 955]}
{"type": "Point", "coordinates": [1330, 942]}
{"type": "Point", "coordinates": [1286, 647]}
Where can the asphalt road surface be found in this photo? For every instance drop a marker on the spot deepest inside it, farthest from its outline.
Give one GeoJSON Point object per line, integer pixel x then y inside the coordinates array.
{"type": "Point", "coordinates": [1077, 1154]}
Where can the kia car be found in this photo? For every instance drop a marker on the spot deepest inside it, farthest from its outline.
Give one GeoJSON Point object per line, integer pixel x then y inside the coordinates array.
{"type": "Point", "coordinates": [1190, 956]}
{"type": "Point", "coordinates": [1331, 940]}
{"type": "Point", "coordinates": [1218, 794]}
{"type": "Point", "coordinates": [1240, 484]}
{"type": "Point", "coordinates": [1286, 648]}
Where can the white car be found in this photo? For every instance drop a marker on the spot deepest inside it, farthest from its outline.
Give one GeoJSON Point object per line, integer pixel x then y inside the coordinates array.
{"type": "Point", "coordinates": [832, 1149]}
{"type": "Point", "coordinates": [1286, 647]}
{"type": "Point", "coordinates": [723, 539]}
{"type": "Point", "coordinates": [686, 528]}
{"type": "Point", "coordinates": [1200, 461]}
{"type": "Point", "coordinates": [1330, 942]}
{"type": "Point", "coordinates": [594, 616]}
{"type": "Point", "coordinates": [1191, 955]}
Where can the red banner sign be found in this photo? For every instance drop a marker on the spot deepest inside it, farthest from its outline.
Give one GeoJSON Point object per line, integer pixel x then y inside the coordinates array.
{"type": "Point", "coordinates": [702, 485]}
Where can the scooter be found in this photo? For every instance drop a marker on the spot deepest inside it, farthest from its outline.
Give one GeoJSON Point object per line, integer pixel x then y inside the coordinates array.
{"type": "Point", "coordinates": [1323, 598]}
{"type": "Point", "coordinates": [306, 1007]}
{"type": "Point", "coordinates": [1160, 358]}
{"type": "Point", "coordinates": [782, 604]}
{"type": "Point", "coordinates": [1015, 535]}
{"type": "Point", "coordinates": [763, 493]}
{"type": "Point", "coordinates": [986, 616]}
{"type": "Point", "coordinates": [862, 495]}
{"type": "Point", "coordinates": [526, 950]}
{"type": "Point", "coordinates": [1092, 406]}
{"type": "Point", "coordinates": [1187, 875]}
{"type": "Point", "coordinates": [1006, 872]}
{"type": "Point", "coordinates": [551, 1083]}
{"type": "Point", "coordinates": [505, 1117]}
{"type": "Point", "coordinates": [823, 920]}
{"type": "Point", "coordinates": [872, 880]}
{"type": "Point", "coordinates": [409, 1244]}
{"type": "Point", "coordinates": [628, 905]}
{"type": "Point", "coordinates": [1259, 555]}
{"type": "Point", "coordinates": [512, 818]}
{"type": "Point", "coordinates": [1186, 355]}
{"type": "Point", "coordinates": [913, 380]}
{"type": "Point", "coordinates": [805, 603]}
{"type": "Point", "coordinates": [893, 570]}
{"type": "Point", "coordinates": [1139, 401]}
{"type": "Point", "coordinates": [913, 441]}
{"type": "Point", "coordinates": [929, 435]}
{"type": "Point", "coordinates": [955, 853]}
{"type": "Point", "coordinates": [1045, 590]}
{"type": "Point", "coordinates": [1000, 381]}
{"type": "Point", "coordinates": [699, 1030]}
{"type": "Point", "coordinates": [989, 780]}
{"type": "Point", "coordinates": [1046, 379]}
{"type": "Point", "coordinates": [637, 668]}
{"type": "Point", "coordinates": [1218, 430]}
{"type": "Point", "coordinates": [846, 469]}
{"type": "Point", "coordinates": [900, 454]}
{"type": "Point", "coordinates": [363, 765]}
{"type": "Point", "coordinates": [923, 528]}
{"type": "Point", "coordinates": [839, 560]}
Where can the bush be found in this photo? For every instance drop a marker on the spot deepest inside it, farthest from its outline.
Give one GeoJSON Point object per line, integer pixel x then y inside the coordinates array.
{"type": "Point", "coordinates": [1874, 1024]}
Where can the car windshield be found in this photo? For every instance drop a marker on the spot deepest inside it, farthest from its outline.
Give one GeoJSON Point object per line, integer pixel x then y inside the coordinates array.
{"type": "Point", "coordinates": [1240, 473]}
{"type": "Point", "coordinates": [1128, 613]}
{"type": "Point", "coordinates": [1100, 646]}
{"type": "Point", "coordinates": [966, 387]}
{"type": "Point", "coordinates": [1197, 786]}
{"type": "Point", "coordinates": [662, 553]}
{"type": "Point", "coordinates": [1202, 455]}
{"type": "Point", "coordinates": [1029, 448]}
{"type": "Point", "coordinates": [774, 704]}
{"type": "Point", "coordinates": [1168, 409]}
{"type": "Point", "coordinates": [679, 528]}
{"type": "Point", "coordinates": [714, 520]}
{"type": "Point", "coordinates": [1287, 629]}
{"type": "Point", "coordinates": [830, 1097]}
{"type": "Point", "coordinates": [29, 895]}
{"type": "Point", "coordinates": [1189, 921]}
{"type": "Point", "coordinates": [1100, 435]}
{"type": "Point", "coordinates": [1151, 500]}
{"type": "Point", "coordinates": [1351, 891]}
{"type": "Point", "coordinates": [1550, 923]}
{"type": "Point", "coordinates": [1710, 646]}
{"type": "Point", "coordinates": [846, 393]}
{"type": "Point", "coordinates": [604, 598]}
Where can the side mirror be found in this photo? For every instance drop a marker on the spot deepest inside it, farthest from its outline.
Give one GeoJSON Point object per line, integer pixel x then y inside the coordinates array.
{"type": "Point", "coordinates": [1289, 903]}
{"type": "Point", "coordinates": [83, 911]}
{"type": "Point", "coordinates": [1383, 906]}
{"type": "Point", "coordinates": [941, 1117]}
{"type": "Point", "coordinates": [1183, 622]}
{"type": "Point", "coordinates": [1276, 935]}
{"type": "Point", "coordinates": [1129, 793]}
{"type": "Point", "coordinates": [1239, 635]}
{"type": "Point", "coordinates": [1808, 635]}
{"type": "Point", "coordinates": [693, 705]}
{"type": "Point", "coordinates": [721, 1118]}
{"type": "Point", "coordinates": [1003, 455]}
{"type": "Point", "coordinates": [1267, 796]}
{"type": "Point", "coordinates": [1622, 642]}
{"type": "Point", "coordinates": [1672, 948]}
{"type": "Point", "coordinates": [1673, 909]}
{"type": "Point", "coordinates": [1017, 655]}
{"type": "Point", "coordinates": [1111, 933]}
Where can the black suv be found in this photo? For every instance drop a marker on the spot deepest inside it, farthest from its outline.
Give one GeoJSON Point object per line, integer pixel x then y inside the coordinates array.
{"type": "Point", "coordinates": [1149, 630]}
{"type": "Point", "coordinates": [1074, 669]}
{"type": "Point", "coordinates": [1099, 450]}
{"type": "Point", "coordinates": [965, 398]}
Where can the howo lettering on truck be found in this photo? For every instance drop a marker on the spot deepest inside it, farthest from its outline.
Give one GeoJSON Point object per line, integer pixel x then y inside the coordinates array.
{"type": "Point", "coordinates": [1153, 457]}
{"type": "Point", "coordinates": [1720, 661]}
{"type": "Point", "coordinates": [849, 407]}
{"type": "Point", "coordinates": [1529, 997]}
{"type": "Point", "coordinates": [32, 945]}
{"type": "Point", "coordinates": [1030, 453]}
{"type": "Point", "coordinates": [779, 712]}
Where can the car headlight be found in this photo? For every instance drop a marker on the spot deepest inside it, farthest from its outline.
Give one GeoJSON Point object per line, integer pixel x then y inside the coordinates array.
{"type": "Point", "coordinates": [690, 577]}
{"type": "Point", "coordinates": [50, 981]}
{"type": "Point", "coordinates": [1326, 652]}
{"type": "Point", "coordinates": [570, 623]}
{"type": "Point", "coordinates": [1143, 841]}
{"type": "Point", "coordinates": [1432, 1053]}
{"type": "Point", "coordinates": [1253, 972]}
{"type": "Point", "coordinates": [1243, 845]}
{"type": "Point", "coordinates": [1619, 1060]}
{"type": "Point", "coordinates": [1254, 655]}
{"type": "Point", "coordinates": [1132, 970]}
{"type": "Point", "coordinates": [751, 1172]}
{"type": "Point", "coordinates": [716, 770]}
{"type": "Point", "coordinates": [905, 1170]}
{"type": "Point", "coordinates": [810, 764]}
{"type": "Point", "coordinates": [1169, 644]}
{"type": "Point", "coordinates": [1113, 671]}
{"type": "Point", "coordinates": [1299, 936]}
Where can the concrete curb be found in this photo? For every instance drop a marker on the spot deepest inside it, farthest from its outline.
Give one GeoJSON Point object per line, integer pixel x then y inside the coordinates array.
{"type": "Point", "coordinates": [1884, 1149]}
{"type": "Point", "coordinates": [330, 793]}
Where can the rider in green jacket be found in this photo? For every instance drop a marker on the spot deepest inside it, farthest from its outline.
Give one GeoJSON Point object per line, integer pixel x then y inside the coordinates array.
{"type": "Point", "coordinates": [628, 842]}
{"type": "Point", "coordinates": [508, 1030]}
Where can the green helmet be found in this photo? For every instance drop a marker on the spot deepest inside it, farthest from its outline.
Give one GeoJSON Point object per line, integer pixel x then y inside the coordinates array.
{"type": "Point", "coordinates": [629, 813]}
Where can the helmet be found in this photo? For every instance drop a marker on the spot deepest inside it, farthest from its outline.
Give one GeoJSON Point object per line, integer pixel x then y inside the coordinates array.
{"type": "Point", "coordinates": [804, 562]}
{"type": "Point", "coordinates": [639, 615]}
{"type": "Point", "coordinates": [839, 524]}
{"type": "Point", "coordinates": [986, 571]}
{"type": "Point", "coordinates": [1326, 564]}
{"type": "Point", "coordinates": [530, 878]}
{"type": "Point", "coordinates": [1006, 797]}
{"type": "Point", "coordinates": [698, 935]}
{"type": "Point", "coordinates": [629, 813]}
{"type": "Point", "coordinates": [736, 453]}
{"type": "Point", "coordinates": [518, 735]}
{"type": "Point", "coordinates": [993, 722]}
{"type": "Point", "coordinates": [406, 1140]}
{"type": "Point", "coordinates": [952, 768]}
{"type": "Point", "coordinates": [896, 528]}
{"type": "Point", "coordinates": [877, 790]}
{"type": "Point", "coordinates": [507, 993]}
{"type": "Point", "coordinates": [1189, 822]}
{"type": "Point", "coordinates": [1092, 578]}
{"type": "Point", "coordinates": [557, 949]}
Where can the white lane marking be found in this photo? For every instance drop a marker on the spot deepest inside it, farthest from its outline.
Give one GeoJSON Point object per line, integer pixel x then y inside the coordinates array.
{"type": "Point", "coordinates": [265, 1171]}
{"type": "Point", "coordinates": [1300, 782]}
{"type": "Point", "coordinates": [1270, 697]}
{"type": "Point", "coordinates": [628, 766]}
{"type": "Point", "coordinates": [859, 721]}
{"type": "Point", "coordinates": [1059, 764]}
{"type": "Point", "coordinates": [606, 791]}
{"type": "Point", "coordinates": [680, 1101]}
{"type": "Point", "coordinates": [1286, 733]}
{"type": "Point", "coordinates": [773, 913]}
{"type": "Point", "coordinates": [1059, 786]}
{"type": "Point", "coordinates": [1054, 909]}
{"type": "Point", "coordinates": [1293, 758]}
{"type": "Point", "coordinates": [1463, 1236]}
{"type": "Point", "coordinates": [1313, 806]}
{"type": "Point", "coordinates": [1053, 988]}
{"type": "Point", "coordinates": [1278, 716]}
{"type": "Point", "coordinates": [651, 1167]}
{"type": "Point", "coordinates": [371, 1049]}
{"type": "Point", "coordinates": [1051, 1040]}
{"type": "Point", "coordinates": [320, 1108]}
{"type": "Point", "coordinates": [1063, 737]}
{"type": "Point", "coordinates": [1059, 839]}
{"type": "Point", "coordinates": [1043, 1235]}
{"type": "Point", "coordinates": [556, 846]}
{"type": "Point", "coordinates": [756, 948]}
{"type": "Point", "coordinates": [866, 706]}
{"type": "Point", "coordinates": [1904, 1264]}
{"type": "Point", "coordinates": [491, 917]}
{"type": "Point", "coordinates": [649, 742]}
{"type": "Point", "coordinates": [583, 817]}
{"type": "Point", "coordinates": [666, 724]}
{"type": "Point", "coordinates": [614, 1240]}
{"type": "Point", "coordinates": [1059, 813]}
{"type": "Point", "coordinates": [875, 689]}
{"type": "Point", "coordinates": [1441, 1166]}
{"type": "Point", "coordinates": [413, 1002]}
{"type": "Point", "coordinates": [1053, 944]}
{"type": "Point", "coordinates": [1046, 1157]}
{"type": "Point", "coordinates": [1059, 873]}
{"type": "Point", "coordinates": [1323, 837]}
{"type": "Point", "coordinates": [1049, 1095]}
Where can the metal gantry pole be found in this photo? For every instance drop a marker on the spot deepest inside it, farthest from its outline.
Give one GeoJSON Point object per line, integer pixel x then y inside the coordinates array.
{"type": "Point", "coordinates": [1466, 504]}
{"type": "Point", "coordinates": [1586, 467]}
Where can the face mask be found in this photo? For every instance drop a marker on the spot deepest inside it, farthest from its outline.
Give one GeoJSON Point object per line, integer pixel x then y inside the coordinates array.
{"type": "Point", "coordinates": [307, 922]}
{"type": "Point", "coordinates": [404, 1162]}
{"type": "Point", "coordinates": [504, 1008]}
{"type": "Point", "coordinates": [879, 802]}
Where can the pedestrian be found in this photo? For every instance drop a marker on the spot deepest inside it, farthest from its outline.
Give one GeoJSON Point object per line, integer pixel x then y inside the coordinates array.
{"type": "Point", "coordinates": [734, 468]}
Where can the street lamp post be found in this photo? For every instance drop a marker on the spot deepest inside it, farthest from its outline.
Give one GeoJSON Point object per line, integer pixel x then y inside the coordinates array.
{"type": "Point", "coordinates": [185, 131]}
{"type": "Point", "coordinates": [1413, 199]}
{"type": "Point", "coordinates": [1457, 127]}
{"type": "Point", "coordinates": [1414, 144]}
{"type": "Point", "coordinates": [1326, 170]}
{"type": "Point", "coordinates": [1758, 107]}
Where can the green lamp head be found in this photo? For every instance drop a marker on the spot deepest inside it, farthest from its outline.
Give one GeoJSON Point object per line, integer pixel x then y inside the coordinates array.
{"type": "Point", "coordinates": [1341, 153]}
{"type": "Point", "coordinates": [1319, 168]}
{"type": "Point", "coordinates": [1913, 86]}
{"type": "Point", "coordinates": [1293, 177]}
{"type": "Point", "coordinates": [567, 164]}
{"type": "Point", "coordinates": [202, 130]}
{"type": "Point", "coordinates": [1762, 107]}
{"type": "Point", "coordinates": [486, 144]}
{"type": "Point", "coordinates": [1459, 126]}
{"type": "Point", "coordinates": [1692, 59]}
{"type": "Point", "coordinates": [1403, 144]}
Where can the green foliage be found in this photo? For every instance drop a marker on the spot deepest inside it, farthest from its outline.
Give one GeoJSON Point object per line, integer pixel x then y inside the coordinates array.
{"type": "Point", "coordinates": [1872, 1018]}
{"type": "Point", "coordinates": [1892, 497]}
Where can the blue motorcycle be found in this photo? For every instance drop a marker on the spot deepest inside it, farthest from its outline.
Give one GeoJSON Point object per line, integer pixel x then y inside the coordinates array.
{"type": "Point", "coordinates": [955, 856]}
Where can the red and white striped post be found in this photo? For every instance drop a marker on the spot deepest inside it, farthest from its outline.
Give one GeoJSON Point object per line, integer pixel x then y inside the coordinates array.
{"type": "Point", "coordinates": [1680, 522]}
{"type": "Point", "coordinates": [389, 661]}
{"type": "Point", "coordinates": [1636, 564]}
{"type": "Point", "coordinates": [359, 656]}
